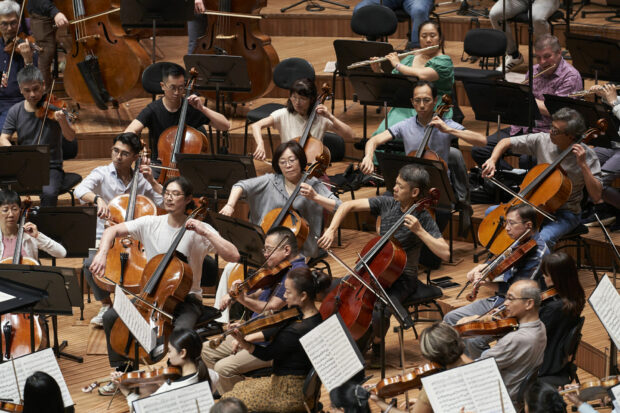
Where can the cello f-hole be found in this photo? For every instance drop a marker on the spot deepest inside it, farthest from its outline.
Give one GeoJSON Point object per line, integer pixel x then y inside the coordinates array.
{"type": "Point", "coordinates": [105, 33]}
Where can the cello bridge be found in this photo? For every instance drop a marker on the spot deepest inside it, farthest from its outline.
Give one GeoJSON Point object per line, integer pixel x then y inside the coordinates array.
{"type": "Point", "coordinates": [226, 37]}
{"type": "Point", "coordinates": [85, 39]}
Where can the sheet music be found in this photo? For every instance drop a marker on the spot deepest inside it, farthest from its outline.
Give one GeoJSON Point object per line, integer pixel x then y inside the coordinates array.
{"type": "Point", "coordinates": [332, 353]}
{"type": "Point", "coordinates": [5, 297]}
{"type": "Point", "coordinates": [130, 315]}
{"type": "Point", "coordinates": [43, 360]}
{"type": "Point", "coordinates": [605, 302]}
{"type": "Point", "coordinates": [181, 400]}
{"type": "Point", "coordinates": [473, 386]}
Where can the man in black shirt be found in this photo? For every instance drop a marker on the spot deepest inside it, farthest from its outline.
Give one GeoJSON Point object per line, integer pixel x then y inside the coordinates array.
{"type": "Point", "coordinates": [165, 112]}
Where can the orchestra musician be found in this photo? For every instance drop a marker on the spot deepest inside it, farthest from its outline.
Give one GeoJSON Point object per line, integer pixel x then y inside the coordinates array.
{"type": "Point", "coordinates": [102, 185]}
{"type": "Point", "coordinates": [21, 118]}
{"type": "Point", "coordinates": [280, 246]}
{"type": "Point", "coordinates": [23, 56]}
{"type": "Point", "coordinates": [159, 115]}
{"type": "Point", "coordinates": [519, 219]}
{"type": "Point", "coordinates": [197, 26]}
{"type": "Point", "coordinates": [283, 390]}
{"type": "Point", "coordinates": [560, 81]}
{"type": "Point", "coordinates": [419, 229]}
{"type": "Point", "coordinates": [156, 233]}
{"type": "Point", "coordinates": [33, 241]}
{"type": "Point", "coordinates": [290, 121]}
{"type": "Point", "coordinates": [581, 166]}
{"type": "Point", "coordinates": [542, 397]}
{"type": "Point", "coordinates": [230, 405]}
{"type": "Point", "coordinates": [42, 394]}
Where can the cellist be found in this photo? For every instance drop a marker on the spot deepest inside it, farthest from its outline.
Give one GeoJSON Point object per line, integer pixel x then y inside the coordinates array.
{"type": "Point", "coordinates": [581, 166]}
{"type": "Point", "coordinates": [159, 115]}
{"type": "Point", "coordinates": [520, 219]}
{"type": "Point", "coordinates": [419, 229]}
{"type": "Point", "coordinates": [156, 233]}
{"type": "Point", "coordinates": [103, 184]}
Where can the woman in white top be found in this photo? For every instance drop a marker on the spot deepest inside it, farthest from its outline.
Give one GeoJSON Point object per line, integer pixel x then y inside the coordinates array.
{"type": "Point", "coordinates": [33, 240]}
{"type": "Point", "coordinates": [290, 121]}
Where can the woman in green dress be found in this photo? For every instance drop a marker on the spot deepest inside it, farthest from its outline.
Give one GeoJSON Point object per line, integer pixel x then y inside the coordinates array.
{"type": "Point", "coordinates": [433, 66]}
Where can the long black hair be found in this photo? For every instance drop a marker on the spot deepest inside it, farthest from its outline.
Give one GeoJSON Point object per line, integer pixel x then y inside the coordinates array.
{"type": "Point", "coordinates": [42, 394]}
{"type": "Point", "coordinates": [184, 338]}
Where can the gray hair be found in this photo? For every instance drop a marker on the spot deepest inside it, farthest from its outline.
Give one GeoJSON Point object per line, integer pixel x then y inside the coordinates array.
{"type": "Point", "coordinates": [441, 344]}
{"type": "Point", "coordinates": [530, 290]}
{"type": "Point", "coordinates": [9, 7]}
{"type": "Point", "coordinates": [547, 40]}
{"type": "Point", "coordinates": [575, 125]}
{"type": "Point", "coordinates": [416, 177]}
{"type": "Point", "coordinates": [29, 74]}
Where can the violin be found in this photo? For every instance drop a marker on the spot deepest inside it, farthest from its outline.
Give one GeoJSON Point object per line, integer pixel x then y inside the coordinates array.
{"type": "Point", "coordinates": [263, 278]}
{"type": "Point", "coordinates": [548, 294]}
{"type": "Point", "coordinates": [46, 109]}
{"type": "Point", "coordinates": [545, 186]}
{"type": "Point", "coordinates": [494, 327]}
{"type": "Point", "coordinates": [139, 378]}
{"type": "Point", "coordinates": [592, 390]}
{"type": "Point", "coordinates": [393, 386]}
{"type": "Point", "coordinates": [423, 151]}
{"type": "Point", "coordinates": [314, 148]}
{"type": "Point", "coordinates": [260, 323]}
{"type": "Point", "coordinates": [19, 39]}
{"type": "Point", "coordinates": [11, 407]}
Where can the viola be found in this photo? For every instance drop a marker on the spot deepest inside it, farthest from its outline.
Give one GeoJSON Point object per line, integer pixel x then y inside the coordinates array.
{"type": "Point", "coordinates": [423, 151]}
{"type": "Point", "coordinates": [11, 407]}
{"type": "Point", "coordinates": [263, 278]}
{"type": "Point", "coordinates": [387, 260]}
{"type": "Point", "coordinates": [548, 294]}
{"type": "Point", "coordinates": [494, 327]}
{"type": "Point", "coordinates": [314, 148]}
{"type": "Point", "coordinates": [146, 378]}
{"type": "Point", "coordinates": [46, 109]}
{"type": "Point", "coordinates": [393, 386]}
{"type": "Point", "coordinates": [19, 39]}
{"type": "Point", "coordinates": [545, 186]}
{"type": "Point", "coordinates": [260, 323]}
{"type": "Point", "coordinates": [592, 390]}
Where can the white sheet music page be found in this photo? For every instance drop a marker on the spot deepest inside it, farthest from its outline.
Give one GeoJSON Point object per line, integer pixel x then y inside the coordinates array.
{"type": "Point", "coordinates": [605, 302]}
{"type": "Point", "coordinates": [181, 400]}
{"type": "Point", "coordinates": [330, 349]}
{"type": "Point", "coordinates": [473, 386]}
{"type": "Point", "coordinates": [130, 315]}
{"type": "Point", "coordinates": [43, 360]}
{"type": "Point", "coordinates": [5, 297]}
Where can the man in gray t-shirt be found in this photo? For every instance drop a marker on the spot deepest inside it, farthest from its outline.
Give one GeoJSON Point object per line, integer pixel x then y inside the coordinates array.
{"type": "Point", "coordinates": [580, 164]}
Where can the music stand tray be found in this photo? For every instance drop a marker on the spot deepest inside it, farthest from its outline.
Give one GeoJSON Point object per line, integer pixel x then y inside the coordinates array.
{"type": "Point", "coordinates": [25, 168]}
{"type": "Point", "coordinates": [381, 89]}
{"type": "Point", "coordinates": [219, 72]}
{"type": "Point", "coordinates": [595, 56]}
{"type": "Point", "coordinates": [167, 14]}
{"type": "Point", "coordinates": [23, 296]}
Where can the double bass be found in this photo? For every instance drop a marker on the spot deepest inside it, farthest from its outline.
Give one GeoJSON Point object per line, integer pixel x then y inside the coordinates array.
{"type": "Point", "coordinates": [314, 149]}
{"type": "Point", "coordinates": [238, 35]}
{"type": "Point", "coordinates": [423, 151]}
{"type": "Point", "coordinates": [545, 186]}
{"type": "Point", "coordinates": [102, 66]}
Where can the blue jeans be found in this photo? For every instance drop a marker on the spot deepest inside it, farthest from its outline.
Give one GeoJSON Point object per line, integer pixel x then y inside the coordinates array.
{"type": "Point", "coordinates": [417, 9]}
{"type": "Point", "coordinates": [551, 232]}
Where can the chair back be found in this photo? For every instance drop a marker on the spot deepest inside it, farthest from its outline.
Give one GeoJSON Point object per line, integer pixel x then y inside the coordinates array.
{"type": "Point", "coordinates": [374, 21]}
{"type": "Point", "coordinates": [531, 377]}
{"type": "Point", "coordinates": [152, 75]}
{"type": "Point", "coordinates": [485, 43]}
{"type": "Point", "coordinates": [335, 144]}
{"type": "Point", "coordinates": [312, 391]}
{"type": "Point", "coordinates": [353, 51]}
{"type": "Point", "coordinates": [289, 70]}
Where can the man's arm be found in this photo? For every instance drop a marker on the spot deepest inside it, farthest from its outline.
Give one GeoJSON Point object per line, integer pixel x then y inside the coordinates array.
{"type": "Point", "coordinates": [135, 126]}
{"type": "Point", "coordinates": [367, 165]}
{"type": "Point", "coordinates": [5, 139]}
{"type": "Point", "coordinates": [438, 246]}
{"type": "Point", "coordinates": [354, 205]}
{"type": "Point", "coordinates": [488, 168]}
{"type": "Point", "coordinates": [218, 120]}
{"type": "Point", "coordinates": [471, 137]}
{"type": "Point", "coordinates": [257, 306]}
{"type": "Point", "coordinates": [67, 129]}
{"type": "Point", "coordinates": [224, 248]}
{"type": "Point", "coordinates": [592, 183]}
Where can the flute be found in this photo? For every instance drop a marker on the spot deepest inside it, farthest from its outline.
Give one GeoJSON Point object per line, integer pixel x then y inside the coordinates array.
{"type": "Point", "coordinates": [383, 59]}
{"type": "Point", "coordinates": [587, 92]}
{"type": "Point", "coordinates": [542, 72]}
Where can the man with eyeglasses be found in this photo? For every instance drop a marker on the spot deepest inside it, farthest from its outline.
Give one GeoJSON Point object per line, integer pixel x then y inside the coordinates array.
{"type": "Point", "coordinates": [581, 166]}
{"type": "Point", "coordinates": [520, 220]}
{"type": "Point", "coordinates": [163, 113]}
{"type": "Point", "coordinates": [23, 56]}
{"type": "Point", "coordinates": [105, 183]}
{"type": "Point", "coordinates": [229, 362]}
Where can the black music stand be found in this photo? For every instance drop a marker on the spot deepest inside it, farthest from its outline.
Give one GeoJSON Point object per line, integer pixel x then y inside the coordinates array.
{"type": "Point", "coordinates": [380, 89]}
{"type": "Point", "coordinates": [63, 293]}
{"type": "Point", "coordinates": [25, 168]}
{"type": "Point", "coordinates": [595, 56]}
{"type": "Point", "coordinates": [213, 176]}
{"type": "Point", "coordinates": [23, 299]}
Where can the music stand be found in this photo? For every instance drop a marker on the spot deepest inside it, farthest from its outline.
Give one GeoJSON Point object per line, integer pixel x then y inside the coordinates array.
{"type": "Point", "coordinates": [380, 89]}
{"type": "Point", "coordinates": [25, 168]}
{"type": "Point", "coordinates": [63, 293]}
{"type": "Point", "coordinates": [595, 56]}
{"type": "Point", "coordinates": [213, 176]}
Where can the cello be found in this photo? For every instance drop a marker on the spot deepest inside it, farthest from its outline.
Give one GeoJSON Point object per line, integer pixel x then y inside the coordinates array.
{"type": "Point", "coordinates": [126, 259]}
{"type": "Point", "coordinates": [423, 151]}
{"type": "Point", "coordinates": [239, 35]}
{"type": "Point", "coordinates": [313, 147]}
{"type": "Point", "coordinates": [181, 138]}
{"type": "Point", "coordinates": [546, 187]}
{"type": "Point", "coordinates": [101, 66]}
{"type": "Point", "coordinates": [166, 281]}
{"type": "Point", "coordinates": [387, 260]}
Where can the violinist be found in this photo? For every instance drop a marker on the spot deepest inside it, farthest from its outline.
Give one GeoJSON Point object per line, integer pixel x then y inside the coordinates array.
{"type": "Point", "coordinates": [23, 56]}
{"type": "Point", "coordinates": [155, 233]}
{"type": "Point", "coordinates": [560, 313]}
{"type": "Point", "coordinates": [159, 115]}
{"type": "Point", "coordinates": [280, 246]}
{"type": "Point", "coordinates": [521, 351]}
{"type": "Point", "coordinates": [283, 390]}
{"type": "Point", "coordinates": [290, 121]}
{"type": "Point", "coordinates": [42, 394]}
{"type": "Point", "coordinates": [419, 229]}
{"type": "Point", "coordinates": [519, 219]}
{"type": "Point", "coordinates": [106, 182]}
{"type": "Point", "coordinates": [10, 205]}
{"type": "Point", "coordinates": [31, 130]}
{"type": "Point", "coordinates": [183, 353]}
{"type": "Point", "coordinates": [581, 166]}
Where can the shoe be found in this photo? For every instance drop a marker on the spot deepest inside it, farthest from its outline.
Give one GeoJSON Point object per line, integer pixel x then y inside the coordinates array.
{"type": "Point", "coordinates": [97, 320]}
{"type": "Point", "coordinates": [108, 390]}
{"type": "Point", "coordinates": [511, 63]}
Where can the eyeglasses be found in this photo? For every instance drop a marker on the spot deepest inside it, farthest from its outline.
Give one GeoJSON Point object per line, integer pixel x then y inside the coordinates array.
{"type": "Point", "coordinates": [512, 223]}
{"type": "Point", "coordinates": [556, 131]}
{"type": "Point", "coordinates": [6, 210]}
{"type": "Point", "coordinates": [122, 154]}
{"type": "Point", "coordinates": [269, 250]}
{"type": "Point", "coordinates": [174, 194]}
{"type": "Point", "coordinates": [511, 298]}
{"type": "Point", "coordinates": [298, 98]}
{"type": "Point", "coordinates": [426, 101]}
{"type": "Point", "coordinates": [285, 162]}
{"type": "Point", "coordinates": [175, 88]}
{"type": "Point", "coordinates": [12, 23]}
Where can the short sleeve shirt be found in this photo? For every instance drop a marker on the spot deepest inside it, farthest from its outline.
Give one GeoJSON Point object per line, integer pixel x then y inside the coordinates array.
{"type": "Point", "coordinates": [291, 125]}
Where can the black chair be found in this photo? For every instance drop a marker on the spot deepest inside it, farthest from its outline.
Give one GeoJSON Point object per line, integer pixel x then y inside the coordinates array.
{"type": "Point", "coordinates": [486, 44]}
{"type": "Point", "coordinates": [374, 21]}
{"type": "Point", "coordinates": [69, 181]}
{"type": "Point", "coordinates": [312, 392]}
{"type": "Point", "coordinates": [336, 146]}
{"type": "Point", "coordinates": [568, 373]}
{"type": "Point", "coordinates": [530, 379]}
{"type": "Point", "coordinates": [575, 239]}
{"type": "Point", "coordinates": [284, 75]}
{"type": "Point", "coordinates": [152, 76]}
{"type": "Point", "coordinates": [426, 296]}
